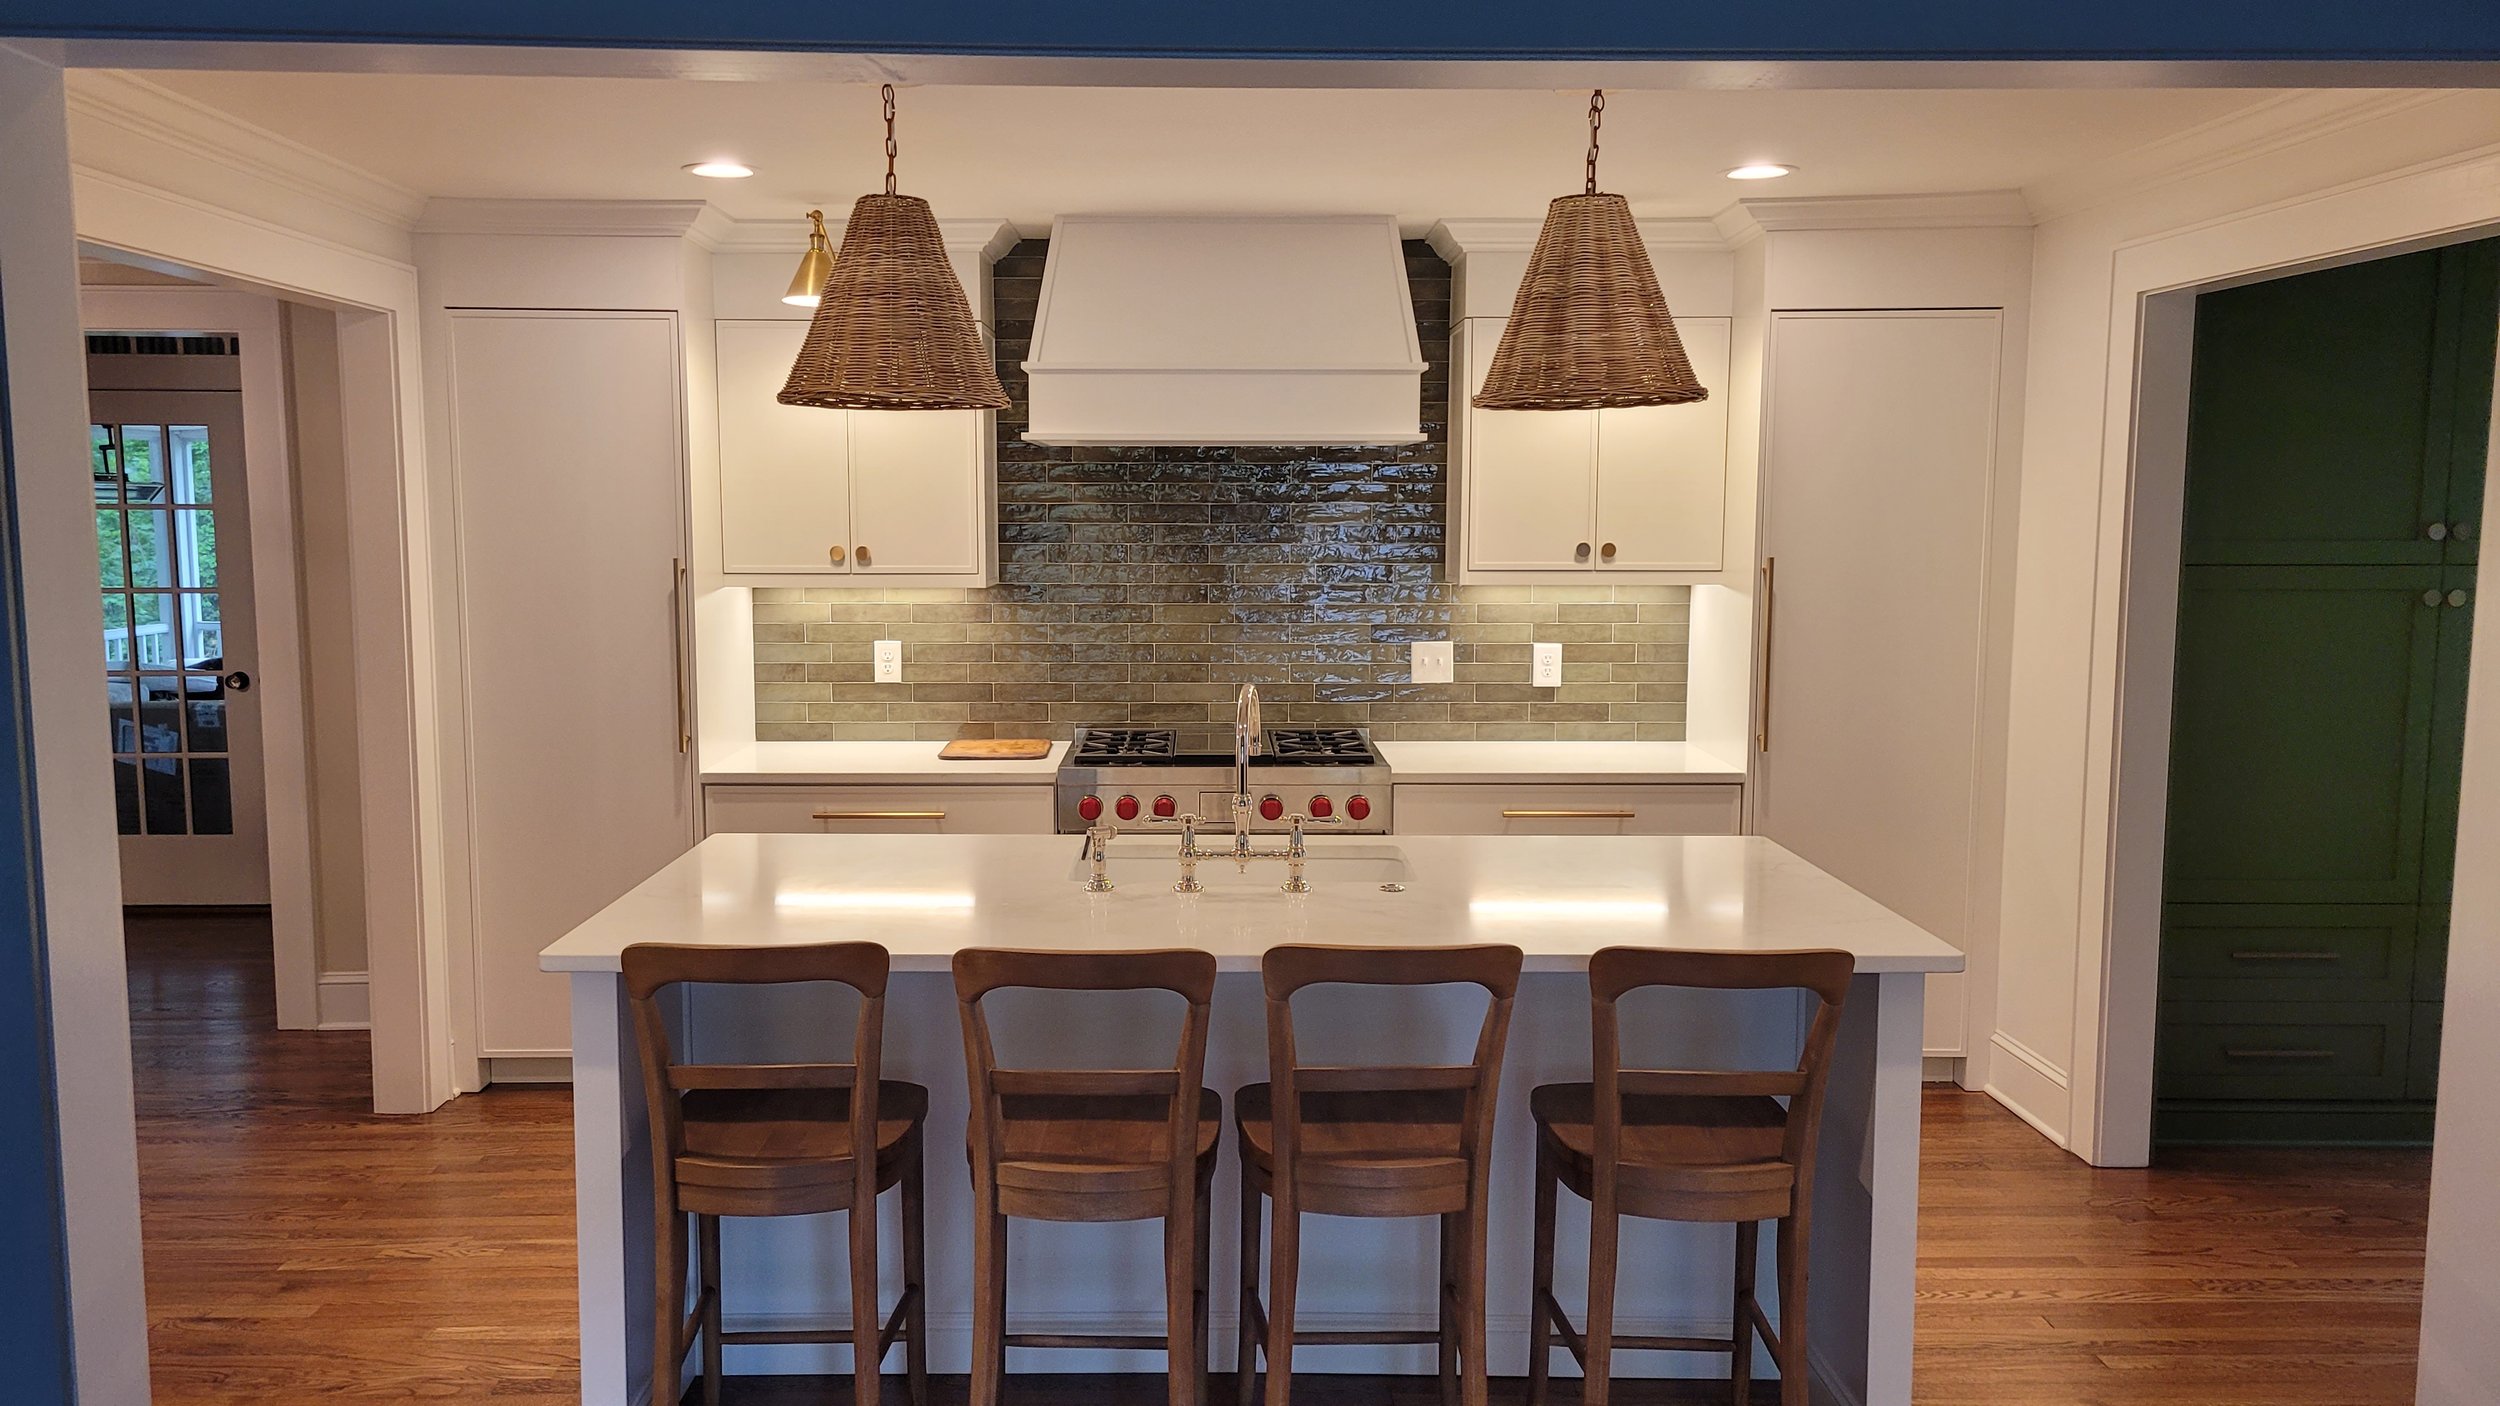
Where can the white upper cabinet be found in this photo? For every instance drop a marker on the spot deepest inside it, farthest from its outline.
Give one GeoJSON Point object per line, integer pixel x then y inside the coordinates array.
{"type": "Point", "coordinates": [1636, 493]}
{"type": "Point", "coordinates": [908, 497]}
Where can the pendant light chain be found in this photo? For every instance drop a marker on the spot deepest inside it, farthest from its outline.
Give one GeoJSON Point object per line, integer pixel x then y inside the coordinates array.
{"type": "Point", "coordinates": [891, 150]}
{"type": "Point", "coordinates": [1597, 118]}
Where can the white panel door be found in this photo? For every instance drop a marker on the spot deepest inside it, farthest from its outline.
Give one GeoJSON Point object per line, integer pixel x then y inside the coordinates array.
{"type": "Point", "coordinates": [916, 491]}
{"type": "Point", "coordinates": [1878, 451]}
{"type": "Point", "coordinates": [784, 469]}
{"type": "Point", "coordinates": [1662, 470]}
{"type": "Point", "coordinates": [570, 455]}
{"type": "Point", "coordinates": [1530, 476]}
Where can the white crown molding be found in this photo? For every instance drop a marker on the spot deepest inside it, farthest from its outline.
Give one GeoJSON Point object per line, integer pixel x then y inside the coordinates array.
{"type": "Point", "coordinates": [2270, 124]}
{"type": "Point", "coordinates": [991, 237]}
{"type": "Point", "coordinates": [202, 133]}
{"type": "Point", "coordinates": [1985, 209]}
{"type": "Point", "coordinates": [625, 219]}
{"type": "Point", "coordinates": [1454, 239]}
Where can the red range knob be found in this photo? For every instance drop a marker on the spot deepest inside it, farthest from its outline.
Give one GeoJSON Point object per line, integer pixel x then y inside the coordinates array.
{"type": "Point", "coordinates": [1358, 807]}
{"type": "Point", "coordinates": [1127, 807]}
{"type": "Point", "coordinates": [1090, 808]}
{"type": "Point", "coordinates": [1271, 809]}
{"type": "Point", "coordinates": [1322, 807]}
{"type": "Point", "coordinates": [1165, 808]}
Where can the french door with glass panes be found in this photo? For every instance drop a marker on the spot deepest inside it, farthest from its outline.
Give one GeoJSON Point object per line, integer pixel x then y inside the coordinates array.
{"type": "Point", "coordinates": [173, 560]}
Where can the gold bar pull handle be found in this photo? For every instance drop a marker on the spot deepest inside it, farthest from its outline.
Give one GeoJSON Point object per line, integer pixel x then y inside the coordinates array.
{"type": "Point", "coordinates": [677, 649]}
{"type": "Point", "coordinates": [879, 815]}
{"type": "Point", "coordinates": [1770, 614]}
{"type": "Point", "coordinates": [1567, 815]}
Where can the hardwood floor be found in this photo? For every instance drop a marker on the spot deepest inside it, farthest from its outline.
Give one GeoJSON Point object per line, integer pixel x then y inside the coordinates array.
{"type": "Point", "coordinates": [299, 1246]}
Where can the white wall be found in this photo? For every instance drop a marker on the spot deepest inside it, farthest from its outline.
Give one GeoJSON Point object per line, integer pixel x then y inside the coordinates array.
{"type": "Point", "coordinates": [81, 873]}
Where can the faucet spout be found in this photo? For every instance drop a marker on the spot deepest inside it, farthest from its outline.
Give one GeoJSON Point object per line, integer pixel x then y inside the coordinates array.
{"type": "Point", "coordinates": [1246, 735]}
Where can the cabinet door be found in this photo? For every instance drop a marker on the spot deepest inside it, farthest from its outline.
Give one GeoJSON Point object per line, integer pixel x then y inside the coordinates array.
{"type": "Point", "coordinates": [571, 466]}
{"type": "Point", "coordinates": [1879, 453]}
{"type": "Point", "coordinates": [1662, 471]}
{"type": "Point", "coordinates": [1531, 477]}
{"type": "Point", "coordinates": [1673, 809]}
{"type": "Point", "coordinates": [878, 810]}
{"type": "Point", "coordinates": [784, 469]}
{"type": "Point", "coordinates": [917, 486]}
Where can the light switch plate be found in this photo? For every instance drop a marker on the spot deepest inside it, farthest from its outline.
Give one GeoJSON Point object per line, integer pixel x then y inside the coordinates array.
{"type": "Point", "coordinates": [889, 654]}
{"type": "Point", "coordinates": [1431, 661]}
{"type": "Point", "coordinates": [1545, 666]}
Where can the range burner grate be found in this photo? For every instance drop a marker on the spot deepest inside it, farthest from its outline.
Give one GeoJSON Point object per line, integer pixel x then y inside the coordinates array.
{"type": "Point", "coordinates": [1319, 743]}
{"type": "Point", "coordinates": [1098, 744]}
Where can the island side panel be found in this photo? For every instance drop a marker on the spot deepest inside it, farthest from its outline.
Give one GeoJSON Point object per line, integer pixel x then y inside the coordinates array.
{"type": "Point", "coordinates": [612, 1194]}
{"type": "Point", "coordinates": [1862, 1273]}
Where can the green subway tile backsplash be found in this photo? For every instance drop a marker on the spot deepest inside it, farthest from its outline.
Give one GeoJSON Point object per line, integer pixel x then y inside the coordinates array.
{"type": "Point", "coordinates": [1145, 585]}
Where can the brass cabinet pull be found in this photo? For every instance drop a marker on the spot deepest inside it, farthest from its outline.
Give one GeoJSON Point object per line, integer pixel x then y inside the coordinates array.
{"type": "Point", "coordinates": [1580, 552]}
{"type": "Point", "coordinates": [2431, 597]}
{"type": "Point", "coordinates": [861, 552]}
{"type": "Point", "coordinates": [2278, 1054]}
{"type": "Point", "coordinates": [1607, 551]}
{"type": "Point", "coordinates": [2437, 532]}
{"type": "Point", "coordinates": [2287, 956]}
{"type": "Point", "coordinates": [2458, 598]}
{"type": "Point", "coordinates": [879, 815]}
{"type": "Point", "coordinates": [834, 553]}
{"type": "Point", "coordinates": [1770, 613]}
{"type": "Point", "coordinates": [677, 647]}
{"type": "Point", "coordinates": [1567, 815]}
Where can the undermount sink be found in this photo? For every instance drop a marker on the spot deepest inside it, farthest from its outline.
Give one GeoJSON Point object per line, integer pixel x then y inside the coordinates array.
{"type": "Point", "coordinates": [1154, 862]}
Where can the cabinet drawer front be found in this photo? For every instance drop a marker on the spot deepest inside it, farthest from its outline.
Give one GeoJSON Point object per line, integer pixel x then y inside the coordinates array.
{"type": "Point", "coordinates": [1667, 809]}
{"type": "Point", "coordinates": [2287, 952]}
{"type": "Point", "coordinates": [877, 810]}
{"type": "Point", "coordinates": [2285, 1049]}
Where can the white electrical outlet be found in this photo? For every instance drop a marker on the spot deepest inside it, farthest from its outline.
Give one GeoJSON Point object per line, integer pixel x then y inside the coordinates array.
{"type": "Point", "coordinates": [1545, 666]}
{"type": "Point", "coordinates": [889, 654]}
{"type": "Point", "coordinates": [1431, 661]}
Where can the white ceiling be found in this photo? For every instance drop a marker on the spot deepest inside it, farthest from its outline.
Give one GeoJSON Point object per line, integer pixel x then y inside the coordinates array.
{"type": "Point", "coordinates": [1028, 154]}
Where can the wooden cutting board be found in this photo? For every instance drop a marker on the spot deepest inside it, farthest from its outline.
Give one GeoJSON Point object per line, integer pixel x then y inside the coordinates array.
{"type": "Point", "coordinates": [995, 749]}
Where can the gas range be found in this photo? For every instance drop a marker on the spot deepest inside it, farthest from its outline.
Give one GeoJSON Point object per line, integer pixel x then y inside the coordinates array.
{"type": "Point", "coordinates": [1138, 774]}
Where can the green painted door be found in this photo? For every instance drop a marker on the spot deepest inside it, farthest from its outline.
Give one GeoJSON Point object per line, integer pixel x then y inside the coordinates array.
{"type": "Point", "coordinates": [2338, 428]}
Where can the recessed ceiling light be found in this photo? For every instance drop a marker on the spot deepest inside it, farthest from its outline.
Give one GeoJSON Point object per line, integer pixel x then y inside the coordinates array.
{"type": "Point", "coordinates": [1759, 171]}
{"type": "Point", "coordinates": [721, 170]}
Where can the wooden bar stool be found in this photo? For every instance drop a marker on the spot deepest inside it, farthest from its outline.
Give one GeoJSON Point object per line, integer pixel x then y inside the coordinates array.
{"type": "Point", "coordinates": [1685, 1145]}
{"type": "Point", "coordinates": [1091, 1145]}
{"type": "Point", "coordinates": [777, 1140]}
{"type": "Point", "coordinates": [1373, 1140]}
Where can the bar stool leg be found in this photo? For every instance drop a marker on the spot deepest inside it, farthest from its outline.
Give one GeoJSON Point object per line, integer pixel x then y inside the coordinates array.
{"type": "Point", "coordinates": [1541, 1291]}
{"type": "Point", "coordinates": [668, 1352]}
{"type": "Point", "coordinates": [1284, 1274]}
{"type": "Point", "coordinates": [1598, 1361]}
{"type": "Point", "coordinates": [989, 1297]}
{"type": "Point", "coordinates": [1475, 1381]}
{"type": "Point", "coordinates": [1445, 1302]}
{"type": "Point", "coordinates": [707, 1237]}
{"type": "Point", "coordinates": [1206, 1292]}
{"type": "Point", "coordinates": [915, 1280]}
{"type": "Point", "coordinates": [1748, 1260]}
{"type": "Point", "coordinates": [1180, 1305]}
{"type": "Point", "coordinates": [867, 1364]}
{"type": "Point", "coordinates": [1246, 1362]}
{"type": "Point", "coordinates": [1792, 1267]}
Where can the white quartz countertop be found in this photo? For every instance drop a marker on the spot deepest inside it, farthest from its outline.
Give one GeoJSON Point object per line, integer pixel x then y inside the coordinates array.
{"type": "Point", "coordinates": [1445, 763]}
{"type": "Point", "coordinates": [1560, 898]}
{"type": "Point", "coordinates": [869, 763]}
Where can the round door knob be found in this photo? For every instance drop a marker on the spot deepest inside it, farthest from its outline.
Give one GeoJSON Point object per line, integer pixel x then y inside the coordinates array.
{"type": "Point", "coordinates": [1322, 807]}
{"type": "Point", "coordinates": [1581, 551]}
{"type": "Point", "coordinates": [1090, 808]}
{"type": "Point", "coordinates": [834, 554]}
{"type": "Point", "coordinates": [1607, 551]}
{"type": "Point", "coordinates": [2463, 531]}
{"type": "Point", "coordinates": [2457, 597]}
{"type": "Point", "coordinates": [1127, 807]}
{"type": "Point", "coordinates": [1271, 809]}
{"type": "Point", "coordinates": [1166, 808]}
{"type": "Point", "coordinates": [2430, 598]}
{"type": "Point", "coordinates": [239, 681]}
{"type": "Point", "coordinates": [2437, 532]}
{"type": "Point", "coordinates": [1358, 807]}
{"type": "Point", "coordinates": [862, 553]}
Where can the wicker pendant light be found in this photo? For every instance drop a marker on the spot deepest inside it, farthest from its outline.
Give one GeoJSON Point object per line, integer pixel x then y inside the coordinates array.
{"type": "Point", "coordinates": [1589, 329]}
{"type": "Point", "coordinates": [893, 330]}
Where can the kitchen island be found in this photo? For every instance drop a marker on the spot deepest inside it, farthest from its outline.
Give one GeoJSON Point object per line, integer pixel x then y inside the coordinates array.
{"type": "Point", "coordinates": [1557, 898]}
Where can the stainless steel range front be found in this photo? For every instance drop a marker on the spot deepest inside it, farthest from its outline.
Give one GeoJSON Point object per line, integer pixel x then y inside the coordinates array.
{"type": "Point", "coordinates": [1133, 774]}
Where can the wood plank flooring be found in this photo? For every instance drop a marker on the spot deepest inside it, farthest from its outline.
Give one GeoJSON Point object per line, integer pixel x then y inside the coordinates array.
{"type": "Point", "coordinates": [299, 1246]}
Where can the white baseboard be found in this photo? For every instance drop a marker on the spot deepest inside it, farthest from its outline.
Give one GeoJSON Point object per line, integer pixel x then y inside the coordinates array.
{"type": "Point", "coordinates": [1940, 1069]}
{"type": "Point", "coordinates": [342, 1001]}
{"type": "Point", "coordinates": [1826, 1385]}
{"type": "Point", "coordinates": [529, 1069]}
{"type": "Point", "coordinates": [2032, 1088]}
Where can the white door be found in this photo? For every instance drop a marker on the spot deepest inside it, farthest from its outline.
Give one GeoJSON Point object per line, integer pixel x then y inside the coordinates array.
{"type": "Point", "coordinates": [1530, 476]}
{"type": "Point", "coordinates": [173, 558]}
{"type": "Point", "coordinates": [1662, 470]}
{"type": "Point", "coordinates": [569, 453]}
{"type": "Point", "coordinates": [915, 491]}
{"type": "Point", "coordinates": [784, 469]}
{"type": "Point", "coordinates": [1878, 453]}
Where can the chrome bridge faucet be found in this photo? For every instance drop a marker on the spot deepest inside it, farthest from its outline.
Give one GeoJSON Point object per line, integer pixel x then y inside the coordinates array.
{"type": "Point", "coordinates": [1246, 735]}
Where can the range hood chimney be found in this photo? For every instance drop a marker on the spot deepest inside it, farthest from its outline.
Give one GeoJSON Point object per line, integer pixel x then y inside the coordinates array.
{"type": "Point", "coordinates": [1292, 330]}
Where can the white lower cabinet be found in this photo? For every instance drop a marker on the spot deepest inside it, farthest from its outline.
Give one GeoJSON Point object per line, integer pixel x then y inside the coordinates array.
{"type": "Point", "coordinates": [1630, 809]}
{"type": "Point", "coordinates": [877, 810]}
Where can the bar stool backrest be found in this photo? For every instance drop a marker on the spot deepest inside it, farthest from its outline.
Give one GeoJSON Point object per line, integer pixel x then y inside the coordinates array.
{"type": "Point", "coordinates": [1615, 972]}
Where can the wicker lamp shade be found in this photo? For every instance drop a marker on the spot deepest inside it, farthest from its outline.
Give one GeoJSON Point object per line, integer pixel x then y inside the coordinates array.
{"type": "Point", "coordinates": [1589, 329]}
{"type": "Point", "coordinates": [893, 330]}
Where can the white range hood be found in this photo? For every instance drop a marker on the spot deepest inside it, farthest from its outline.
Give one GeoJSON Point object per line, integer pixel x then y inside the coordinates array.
{"type": "Point", "coordinates": [1262, 330]}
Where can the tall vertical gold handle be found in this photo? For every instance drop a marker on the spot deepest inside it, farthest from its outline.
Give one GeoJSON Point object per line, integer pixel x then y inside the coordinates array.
{"type": "Point", "coordinates": [1770, 615]}
{"type": "Point", "coordinates": [677, 646]}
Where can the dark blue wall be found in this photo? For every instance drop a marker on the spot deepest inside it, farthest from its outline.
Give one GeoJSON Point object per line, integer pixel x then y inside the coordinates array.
{"type": "Point", "coordinates": [1769, 29]}
{"type": "Point", "coordinates": [34, 1327]}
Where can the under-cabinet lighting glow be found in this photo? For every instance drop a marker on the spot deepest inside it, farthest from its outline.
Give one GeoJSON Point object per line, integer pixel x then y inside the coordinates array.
{"type": "Point", "coordinates": [1617, 908]}
{"type": "Point", "coordinates": [1759, 171]}
{"type": "Point", "coordinates": [721, 169]}
{"type": "Point", "coordinates": [819, 901]}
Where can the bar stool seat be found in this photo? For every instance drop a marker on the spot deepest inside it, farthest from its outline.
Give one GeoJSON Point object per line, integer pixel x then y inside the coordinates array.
{"type": "Point", "coordinates": [1114, 1149]}
{"type": "Point", "coordinates": [1360, 1145]}
{"type": "Point", "coordinates": [1683, 1157]}
{"type": "Point", "coordinates": [789, 1146]}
